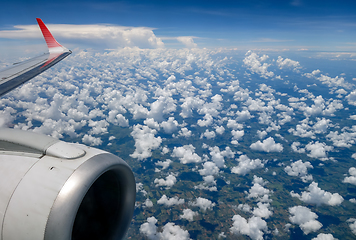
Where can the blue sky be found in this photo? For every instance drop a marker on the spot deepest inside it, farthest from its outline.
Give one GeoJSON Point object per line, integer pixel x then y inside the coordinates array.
{"type": "Point", "coordinates": [295, 24]}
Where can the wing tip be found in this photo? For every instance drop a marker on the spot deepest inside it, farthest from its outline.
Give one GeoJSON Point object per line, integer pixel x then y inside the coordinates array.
{"type": "Point", "coordinates": [52, 44]}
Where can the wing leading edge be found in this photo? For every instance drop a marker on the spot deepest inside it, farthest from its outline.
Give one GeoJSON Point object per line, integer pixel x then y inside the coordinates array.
{"type": "Point", "coordinates": [19, 73]}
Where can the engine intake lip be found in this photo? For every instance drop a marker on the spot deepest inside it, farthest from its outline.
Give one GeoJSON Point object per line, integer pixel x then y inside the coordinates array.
{"type": "Point", "coordinates": [65, 208]}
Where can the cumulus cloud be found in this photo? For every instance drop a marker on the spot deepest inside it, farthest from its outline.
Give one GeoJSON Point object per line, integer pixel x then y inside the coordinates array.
{"type": "Point", "coordinates": [243, 115]}
{"type": "Point", "coordinates": [305, 218]}
{"type": "Point", "coordinates": [352, 178]}
{"type": "Point", "coordinates": [111, 36]}
{"type": "Point", "coordinates": [170, 125]}
{"type": "Point", "coordinates": [170, 231]}
{"type": "Point", "coordinates": [246, 165]}
{"type": "Point", "coordinates": [253, 227]}
{"type": "Point", "coordinates": [185, 132]}
{"type": "Point", "coordinates": [187, 41]}
{"type": "Point", "coordinates": [262, 210]}
{"type": "Point", "coordinates": [352, 225]}
{"type": "Point", "coordinates": [253, 63]}
{"type": "Point", "coordinates": [236, 136]}
{"type": "Point", "coordinates": [324, 236]}
{"type": "Point", "coordinates": [218, 156]}
{"type": "Point", "coordinates": [209, 168]}
{"type": "Point", "coordinates": [259, 192]}
{"type": "Point", "coordinates": [149, 228]}
{"type": "Point", "coordinates": [318, 150]}
{"type": "Point", "coordinates": [164, 200]}
{"type": "Point", "coordinates": [186, 154]}
{"type": "Point", "coordinates": [268, 145]}
{"type": "Point", "coordinates": [168, 182]}
{"type": "Point", "coordinates": [317, 196]}
{"type": "Point", "coordinates": [203, 203]}
{"type": "Point", "coordinates": [92, 141]}
{"type": "Point", "coordinates": [188, 214]}
{"type": "Point", "coordinates": [299, 169]}
{"type": "Point", "coordinates": [163, 164]}
{"type": "Point", "coordinates": [295, 147]}
{"type": "Point", "coordinates": [287, 63]}
{"type": "Point", "coordinates": [208, 134]}
{"type": "Point", "coordinates": [145, 141]}
{"type": "Point", "coordinates": [148, 203]}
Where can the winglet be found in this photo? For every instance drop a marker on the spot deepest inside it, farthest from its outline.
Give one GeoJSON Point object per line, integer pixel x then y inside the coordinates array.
{"type": "Point", "coordinates": [53, 45]}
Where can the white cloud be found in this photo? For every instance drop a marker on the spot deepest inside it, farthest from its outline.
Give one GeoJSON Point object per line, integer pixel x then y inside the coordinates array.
{"type": "Point", "coordinates": [351, 98]}
{"type": "Point", "coordinates": [164, 164]}
{"type": "Point", "coordinates": [149, 228]}
{"type": "Point", "coordinates": [5, 116]}
{"type": "Point", "coordinates": [287, 63]}
{"type": "Point", "coordinates": [217, 156]}
{"type": "Point", "coordinates": [352, 225]}
{"type": "Point", "coordinates": [295, 147]}
{"type": "Point", "coordinates": [170, 231]}
{"type": "Point", "coordinates": [234, 125]}
{"type": "Point", "coordinates": [163, 105]}
{"type": "Point", "coordinates": [268, 145]}
{"type": "Point", "coordinates": [317, 196]}
{"type": "Point", "coordinates": [262, 210]}
{"type": "Point", "coordinates": [148, 203]}
{"type": "Point", "coordinates": [170, 125]}
{"type": "Point", "coordinates": [117, 118]}
{"type": "Point", "coordinates": [208, 184]}
{"type": "Point", "coordinates": [253, 63]}
{"type": "Point", "coordinates": [324, 236]}
{"type": "Point", "coordinates": [139, 188]}
{"type": "Point", "coordinates": [92, 141]}
{"type": "Point", "coordinates": [219, 130]}
{"type": "Point", "coordinates": [187, 41]}
{"type": "Point", "coordinates": [318, 150]}
{"type": "Point", "coordinates": [168, 183]}
{"type": "Point", "coordinates": [236, 136]}
{"type": "Point", "coordinates": [259, 192]}
{"type": "Point", "coordinates": [246, 165]}
{"type": "Point", "coordinates": [151, 123]}
{"type": "Point", "coordinates": [322, 125]}
{"type": "Point", "coordinates": [299, 169]}
{"type": "Point", "coordinates": [243, 115]}
{"type": "Point", "coordinates": [111, 36]}
{"type": "Point", "coordinates": [208, 134]}
{"type": "Point", "coordinates": [261, 134]}
{"type": "Point", "coordinates": [305, 219]}
{"type": "Point", "coordinates": [188, 214]}
{"type": "Point", "coordinates": [185, 132]}
{"type": "Point", "coordinates": [351, 179]}
{"type": "Point", "coordinates": [145, 141]}
{"type": "Point", "coordinates": [203, 203]}
{"type": "Point", "coordinates": [346, 138]}
{"type": "Point", "coordinates": [164, 200]}
{"type": "Point", "coordinates": [186, 154]}
{"type": "Point", "coordinates": [209, 168]}
{"type": "Point", "coordinates": [253, 228]}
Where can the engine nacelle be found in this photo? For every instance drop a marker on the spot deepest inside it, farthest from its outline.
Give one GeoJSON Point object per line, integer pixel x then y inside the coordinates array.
{"type": "Point", "coordinates": [53, 190]}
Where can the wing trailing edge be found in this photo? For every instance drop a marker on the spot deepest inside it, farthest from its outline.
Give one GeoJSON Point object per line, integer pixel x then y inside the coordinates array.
{"type": "Point", "coordinates": [19, 73]}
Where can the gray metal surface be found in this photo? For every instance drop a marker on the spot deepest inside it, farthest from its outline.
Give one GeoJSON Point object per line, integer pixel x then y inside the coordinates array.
{"type": "Point", "coordinates": [20, 73]}
{"type": "Point", "coordinates": [63, 213]}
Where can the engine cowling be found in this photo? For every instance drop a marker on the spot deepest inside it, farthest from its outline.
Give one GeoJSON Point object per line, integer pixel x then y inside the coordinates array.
{"type": "Point", "coordinates": [53, 190]}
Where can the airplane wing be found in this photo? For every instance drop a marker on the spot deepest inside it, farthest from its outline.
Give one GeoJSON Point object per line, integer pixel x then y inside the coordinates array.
{"type": "Point", "coordinates": [20, 73]}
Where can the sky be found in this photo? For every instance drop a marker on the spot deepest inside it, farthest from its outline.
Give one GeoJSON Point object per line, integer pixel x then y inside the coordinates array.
{"type": "Point", "coordinates": [275, 25]}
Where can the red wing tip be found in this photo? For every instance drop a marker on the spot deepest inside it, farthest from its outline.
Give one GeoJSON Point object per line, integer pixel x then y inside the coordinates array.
{"type": "Point", "coordinates": [50, 40]}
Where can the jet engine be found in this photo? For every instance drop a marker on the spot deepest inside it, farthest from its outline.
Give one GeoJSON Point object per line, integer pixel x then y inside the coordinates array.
{"type": "Point", "coordinates": [54, 190]}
